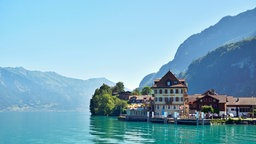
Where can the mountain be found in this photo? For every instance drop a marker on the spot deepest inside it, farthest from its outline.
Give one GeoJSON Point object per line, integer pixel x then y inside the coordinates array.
{"type": "Point", "coordinates": [23, 90]}
{"type": "Point", "coordinates": [230, 69]}
{"type": "Point", "coordinates": [228, 29]}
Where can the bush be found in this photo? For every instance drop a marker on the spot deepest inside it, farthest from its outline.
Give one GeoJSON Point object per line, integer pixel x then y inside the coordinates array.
{"type": "Point", "coordinates": [207, 109]}
{"type": "Point", "coordinates": [218, 121]}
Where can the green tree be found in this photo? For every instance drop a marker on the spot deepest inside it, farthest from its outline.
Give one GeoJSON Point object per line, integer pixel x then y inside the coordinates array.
{"type": "Point", "coordinates": [136, 91]}
{"type": "Point", "coordinates": [254, 112]}
{"type": "Point", "coordinates": [146, 90]}
{"type": "Point", "coordinates": [106, 104]}
{"type": "Point", "coordinates": [216, 110]}
{"type": "Point", "coordinates": [94, 104]}
{"type": "Point", "coordinates": [207, 109]}
{"type": "Point", "coordinates": [104, 89]}
{"type": "Point", "coordinates": [119, 87]}
{"type": "Point", "coordinates": [120, 106]}
{"type": "Point", "coordinates": [96, 101]}
{"type": "Point", "coordinates": [103, 103]}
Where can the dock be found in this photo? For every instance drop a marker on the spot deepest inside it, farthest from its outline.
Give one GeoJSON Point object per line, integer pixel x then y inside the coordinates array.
{"type": "Point", "coordinates": [166, 120]}
{"type": "Point", "coordinates": [193, 122]}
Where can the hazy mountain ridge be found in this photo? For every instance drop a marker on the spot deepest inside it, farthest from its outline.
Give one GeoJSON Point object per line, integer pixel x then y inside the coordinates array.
{"type": "Point", "coordinates": [228, 29]}
{"type": "Point", "coordinates": [23, 90]}
{"type": "Point", "coordinates": [230, 69]}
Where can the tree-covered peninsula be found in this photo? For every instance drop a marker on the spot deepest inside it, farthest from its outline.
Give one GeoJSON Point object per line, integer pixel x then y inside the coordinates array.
{"type": "Point", "coordinates": [105, 101]}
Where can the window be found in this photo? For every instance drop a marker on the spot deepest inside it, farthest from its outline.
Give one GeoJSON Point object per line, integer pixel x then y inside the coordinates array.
{"type": "Point", "coordinates": [160, 99]}
{"type": "Point", "coordinates": [245, 109]}
{"type": "Point", "coordinates": [232, 109]}
{"type": "Point", "coordinates": [171, 99]}
{"type": "Point", "coordinates": [176, 91]}
{"type": "Point", "coordinates": [155, 91]}
{"type": "Point", "coordinates": [182, 91]}
{"type": "Point", "coordinates": [177, 99]}
{"type": "Point", "coordinates": [171, 91]}
{"type": "Point", "coordinates": [165, 91]}
{"type": "Point", "coordinates": [169, 83]}
{"type": "Point", "coordinates": [156, 99]}
{"type": "Point", "coordinates": [175, 82]}
{"type": "Point", "coordinates": [166, 99]}
{"type": "Point", "coordinates": [181, 99]}
{"type": "Point", "coordinates": [160, 91]}
{"type": "Point", "coordinates": [174, 107]}
{"type": "Point", "coordinates": [163, 106]}
{"type": "Point", "coordinates": [157, 106]}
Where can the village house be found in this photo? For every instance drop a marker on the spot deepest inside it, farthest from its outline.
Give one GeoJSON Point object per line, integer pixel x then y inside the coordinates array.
{"type": "Point", "coordinates": [209, 98]}
{"type": "Point", "coordinates": [140, 99]}
{"type": "Point", "coordinates": [124, 95]}
{"type": "Point", "coordinates": [241, 106]}
{"type": "Point", "coordinates": [170, 95]}
{"type": "Point", "coordinates": [223, 104]}
{"type": "Point", "coordinates": [139, 106]}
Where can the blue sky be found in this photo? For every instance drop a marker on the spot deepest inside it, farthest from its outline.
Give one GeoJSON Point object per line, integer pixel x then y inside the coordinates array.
{"type": "Point", "coordinates": [119, 40]}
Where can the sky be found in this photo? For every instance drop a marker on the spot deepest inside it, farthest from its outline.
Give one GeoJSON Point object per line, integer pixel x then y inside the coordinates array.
{"type": "Point", "coordinates": [121, 40]}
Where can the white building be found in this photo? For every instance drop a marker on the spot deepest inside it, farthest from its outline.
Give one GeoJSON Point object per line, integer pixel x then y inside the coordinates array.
{"type": "Point", "coordinates": [170, 95]}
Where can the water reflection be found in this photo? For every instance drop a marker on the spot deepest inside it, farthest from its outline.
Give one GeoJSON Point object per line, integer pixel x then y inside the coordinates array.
{"type": "Point", "coordinates": [110, 130]}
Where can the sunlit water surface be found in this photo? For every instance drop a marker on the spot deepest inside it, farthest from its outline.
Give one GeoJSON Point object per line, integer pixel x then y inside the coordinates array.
{"type": "Point", "coordinates": [72, 127]}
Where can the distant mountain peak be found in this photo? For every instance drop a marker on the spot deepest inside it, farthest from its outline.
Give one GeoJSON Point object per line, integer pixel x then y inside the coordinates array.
{"type": "Point", "coordinates": [230, 69]}
{"type": "Point", "coordinates": [44, 91]}
{"type": "Point", "coordinates": [229, 29]}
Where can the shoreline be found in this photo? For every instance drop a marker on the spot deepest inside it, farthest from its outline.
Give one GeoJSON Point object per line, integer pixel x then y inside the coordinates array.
{"type": "Point", "coordinates": [228, 121]}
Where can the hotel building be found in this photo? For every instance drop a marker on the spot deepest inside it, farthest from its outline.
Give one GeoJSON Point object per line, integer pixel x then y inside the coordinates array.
{"type": "Point", "coordinates": [170, 95]}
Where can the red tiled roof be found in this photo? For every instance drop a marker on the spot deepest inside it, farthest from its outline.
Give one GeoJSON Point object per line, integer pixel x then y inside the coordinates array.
{"type": "Point", "coordinates": [169, 77]}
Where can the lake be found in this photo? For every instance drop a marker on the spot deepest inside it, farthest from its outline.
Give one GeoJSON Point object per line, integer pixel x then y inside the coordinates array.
{"type": "Point", "coordinates": [74, 127]}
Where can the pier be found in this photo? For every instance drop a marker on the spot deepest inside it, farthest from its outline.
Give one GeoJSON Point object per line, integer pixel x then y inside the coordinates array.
{"type": "Point", "coordinates": [165, 120]}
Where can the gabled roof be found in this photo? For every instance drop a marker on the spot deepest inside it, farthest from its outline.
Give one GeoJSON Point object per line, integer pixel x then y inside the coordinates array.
{"type": "Point", "coordinates": [229, 100]}
{"type": "Point", "coordinates": [169, 76]}
{"type": "Point", "coordinates": [208, 93]}
{"type": "Point", "coordinates": [193, 98]}
{"type": "Point", "coordinates": [243, 101]}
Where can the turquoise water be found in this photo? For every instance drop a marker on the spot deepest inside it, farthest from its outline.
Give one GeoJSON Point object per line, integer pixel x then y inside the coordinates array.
{"type": "Point", "coordinates": [61, 128]}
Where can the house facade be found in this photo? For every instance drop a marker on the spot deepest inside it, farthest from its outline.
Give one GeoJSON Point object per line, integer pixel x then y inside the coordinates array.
{"type": "Point", "coordinates": [223, 104]}
{"type": "Point", "coordinates": [124, 95]}
{"type": "Point", "coordinates": [209, 98]}
{"type": "Point", "coordinates": [242, 106]}
{"type": "Point", "coordinates": [140, 107]}
{"type": "Point", "coordinates": [140, 99]}
{"type": "Point", "coordinates": [170, 95]}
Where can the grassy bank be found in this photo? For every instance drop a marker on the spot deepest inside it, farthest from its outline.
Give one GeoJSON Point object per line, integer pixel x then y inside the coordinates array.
{"type": "Point", "coordinates": [234, 121]}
